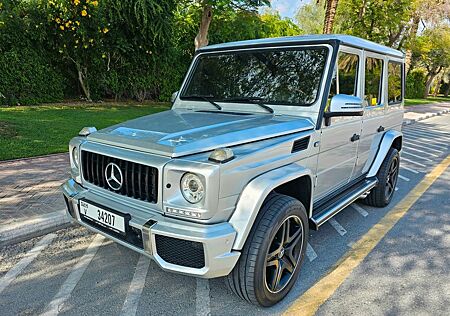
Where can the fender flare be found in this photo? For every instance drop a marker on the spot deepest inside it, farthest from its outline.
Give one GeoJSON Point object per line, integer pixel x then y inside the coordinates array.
{"type": "Point", "coordinates": [386, 143]}
{"type": "Point", "coordinates": [254, 194]}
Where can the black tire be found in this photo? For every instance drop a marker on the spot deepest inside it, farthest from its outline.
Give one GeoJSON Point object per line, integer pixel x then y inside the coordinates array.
{"type": "Point", "coordinates": [381, 195]}
{"type": "Point", "coordinates": [248, 278]}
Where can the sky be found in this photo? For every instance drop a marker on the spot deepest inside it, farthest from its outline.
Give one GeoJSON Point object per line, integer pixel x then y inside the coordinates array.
{"type": "Point", "coordinates": [287, 8]}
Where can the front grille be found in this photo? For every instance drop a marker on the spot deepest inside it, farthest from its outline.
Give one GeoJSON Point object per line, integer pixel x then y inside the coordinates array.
{"type": "Point", "coordinates": [180, 252]}
{"type": "Point", "coordinates": [139, 181]}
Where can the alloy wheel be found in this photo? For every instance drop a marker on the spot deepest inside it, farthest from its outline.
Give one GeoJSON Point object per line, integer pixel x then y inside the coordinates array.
{"type": "Point", "coordinates": [392, 176]}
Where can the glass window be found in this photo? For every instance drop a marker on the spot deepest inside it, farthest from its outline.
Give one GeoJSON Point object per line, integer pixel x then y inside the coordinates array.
{"type": "Point", "coordinates": [279, 76]}
{"type": "Point", "coordinates": [395, 87]}
{"type": "Point", "coordinates": [345, 77]}
{"type": "Point", "coordinates": [373, 80]}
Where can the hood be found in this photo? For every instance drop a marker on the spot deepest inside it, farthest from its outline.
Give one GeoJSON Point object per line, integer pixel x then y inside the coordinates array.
{"type": "Point", "coordinates": [176, 133]}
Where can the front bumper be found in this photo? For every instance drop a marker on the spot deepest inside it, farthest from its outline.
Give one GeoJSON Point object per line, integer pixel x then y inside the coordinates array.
{"type": "Point", "coordinates": [216, 240]}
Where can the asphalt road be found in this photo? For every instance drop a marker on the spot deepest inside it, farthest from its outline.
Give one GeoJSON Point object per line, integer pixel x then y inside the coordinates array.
{"type": "Point", "coordinates": [75, 272]}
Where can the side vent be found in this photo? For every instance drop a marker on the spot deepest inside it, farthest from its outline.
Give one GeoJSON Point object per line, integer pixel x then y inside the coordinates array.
{"type": "Point", "coordinates": [300, 144]}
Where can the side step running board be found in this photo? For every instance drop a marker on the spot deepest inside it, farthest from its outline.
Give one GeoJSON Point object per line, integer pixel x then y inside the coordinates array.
{"type": "Point", "coordinates": [328, 211]}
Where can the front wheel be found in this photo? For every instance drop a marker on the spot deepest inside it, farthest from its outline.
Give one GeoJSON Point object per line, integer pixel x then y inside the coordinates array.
{"type": "Point", "coordinates": [381, 195]}
{"type": "Point", "coordinates": [274, 251]}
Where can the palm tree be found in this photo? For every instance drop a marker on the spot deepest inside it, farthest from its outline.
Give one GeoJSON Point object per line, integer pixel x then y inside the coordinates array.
{"type": "Point", "coordinates": [330, 13]}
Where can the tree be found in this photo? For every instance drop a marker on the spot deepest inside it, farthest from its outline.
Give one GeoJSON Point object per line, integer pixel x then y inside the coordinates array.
{"type": "Point", "coordinates": [207, 8]}
{"type": "Point", "coordinates": [432, 50]}
{"type": "Point", "coordinates": [330, 13]}
{"type": "Point", "coordinates": [310, 18]}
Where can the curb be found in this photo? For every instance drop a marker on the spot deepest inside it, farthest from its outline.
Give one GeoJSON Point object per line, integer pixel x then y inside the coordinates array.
{"type": "Point", "coordinates": [426, 116]}
{"type": "Point", "coordinates": [34, 227]}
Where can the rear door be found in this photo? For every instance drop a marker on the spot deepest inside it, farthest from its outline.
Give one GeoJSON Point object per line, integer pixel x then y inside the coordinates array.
{"type": "Point", "coordinates": [338, 147]}
{"type": "Point", "coordinates": [374, 101]}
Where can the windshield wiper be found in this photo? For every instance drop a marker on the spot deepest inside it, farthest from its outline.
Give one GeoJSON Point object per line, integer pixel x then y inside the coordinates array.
{"type": "Point", "coordinates": [259, 101]}
{"type": "Point", "coordinates": [206, 98]}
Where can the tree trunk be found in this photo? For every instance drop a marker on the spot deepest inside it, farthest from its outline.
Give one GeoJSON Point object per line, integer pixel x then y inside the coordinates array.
{"type": "Point", "coordinates": [82, 76]}
{"type": "Point", "coordinates": [412, 36]}
{"type": "Point", "coordinates": [438, 85]}
{"type": "Point", "coordinates": [330, 14]}
{"type": "Point", "coordinates": [430, 79]}
{"type": "Point", "coordinates": [201, 39]}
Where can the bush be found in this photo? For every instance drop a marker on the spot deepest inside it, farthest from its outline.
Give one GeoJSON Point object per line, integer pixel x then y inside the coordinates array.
{"type": "Point", "coordinates": [415, 84]}
{"type": "Point", "coordinates": [28, 78]}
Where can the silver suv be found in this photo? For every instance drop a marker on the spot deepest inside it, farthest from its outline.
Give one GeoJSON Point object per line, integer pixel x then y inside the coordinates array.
{"type": "Point", "coordinates": [265, 140]}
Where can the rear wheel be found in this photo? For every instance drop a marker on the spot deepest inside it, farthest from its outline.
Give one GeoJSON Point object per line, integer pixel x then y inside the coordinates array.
{"type": "Point", "coordinates": [381, 195]}
{"type": "Point", "coordinates": [274, 251]}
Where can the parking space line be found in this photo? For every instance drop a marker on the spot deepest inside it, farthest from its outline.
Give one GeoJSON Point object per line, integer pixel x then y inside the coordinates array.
{"type": "Point", "coordinates": [338, 227]}
{"type": "Point", "coordinates": [414, 162]}
{"type": "Point", "coordinates": [359, 209]}
{"type": "Point", "coordinates": [409, 169]}
{"type": "Point", "coordinates": [420, 146]}
{"type": "Point", "coordinates": [417, 156]}
{"type": "Point", "coordinates": [12, 274]}
{"type": "Point", "coordinates": [202, 299]}
{"type": "Point", "coordinates": [421, 151]}
{"type": "Point", "coordinates": [414, 141]}
{"type": "Point", "coordinates": [54, 307]}
{"type": "Point", "coordinates": [424, 138]}
{"type": "Point", "coordinates": [131, 303]}
{"type": "Point", "coordinates": [396, 189]}
{"type": "Point", "coordinates": [403, 178]}
{"type": "Point", "coordinates": [310, 253]}
{"type": "Point", "coordinates": [320, 292]}
{"type": "Point", "coordinates": [423, 134]}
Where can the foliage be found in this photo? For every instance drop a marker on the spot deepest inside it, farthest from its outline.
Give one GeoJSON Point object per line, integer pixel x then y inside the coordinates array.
{"type": "Point", "coordinates": [415, 84]}
{"type": "Point", "coordinates": [310, 18]}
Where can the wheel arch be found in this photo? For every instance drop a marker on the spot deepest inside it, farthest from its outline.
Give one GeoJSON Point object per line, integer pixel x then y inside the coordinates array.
{"type": "Point", "coordinates": [390, 139]}
{"type": "Point", "coordinates": [282, 180]}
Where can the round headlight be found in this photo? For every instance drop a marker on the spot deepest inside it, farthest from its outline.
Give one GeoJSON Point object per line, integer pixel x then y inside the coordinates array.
{"type": "Point", "coordinates": [75, 156]}
{"type": "Point", "coordinates": [192, 188]}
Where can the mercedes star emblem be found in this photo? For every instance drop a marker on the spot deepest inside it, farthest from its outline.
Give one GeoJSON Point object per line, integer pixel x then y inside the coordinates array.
{"type": "Point", "coordinates": [113, 176]}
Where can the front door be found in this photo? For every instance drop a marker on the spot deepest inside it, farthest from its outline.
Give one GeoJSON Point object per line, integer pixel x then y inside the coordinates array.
{"type": "Point", "coordinates": [339, 141]}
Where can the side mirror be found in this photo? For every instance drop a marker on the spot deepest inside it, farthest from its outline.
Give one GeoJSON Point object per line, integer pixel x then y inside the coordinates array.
{"type": "Point", "coordinates": [174, 97]}
{"type": "Point", "coordinates": [344, 105]}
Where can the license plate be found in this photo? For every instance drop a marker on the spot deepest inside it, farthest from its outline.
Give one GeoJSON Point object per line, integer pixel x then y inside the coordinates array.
{"type": "Point", "coordinates": [103, 217]}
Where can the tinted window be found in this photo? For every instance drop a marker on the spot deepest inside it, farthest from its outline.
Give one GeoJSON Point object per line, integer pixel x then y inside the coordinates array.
{"type": "Point", "coordinates": [345, 76]}
{"type": "Point", "coordinates": [374, 72]}
{"type": "Point", "coordinates": [290, 77]}
{"type": "Point", "coordinates": [394, 82]}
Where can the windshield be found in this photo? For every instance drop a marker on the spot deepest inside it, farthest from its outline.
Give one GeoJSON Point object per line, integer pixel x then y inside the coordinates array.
{"type": "Point", "coordinates": [276, 76]}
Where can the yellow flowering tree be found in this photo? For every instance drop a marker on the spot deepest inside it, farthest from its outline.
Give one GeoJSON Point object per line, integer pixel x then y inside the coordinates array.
{"type": "Point", "coordinates": [80, 30]}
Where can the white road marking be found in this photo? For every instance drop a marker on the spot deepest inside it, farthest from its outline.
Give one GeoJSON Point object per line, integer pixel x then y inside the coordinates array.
{"type": "Point", "coordinates": [417, 156]}
{"type": "Point", "coordinates": [427, 138]}
{"type": "Point", "coordinates": [11, 275]}
{"type": "Point", "coordinates": [341, 230]}
{"type": "Point", "coordinates": [74, 277]}
{"type": "Point", "coordinates": [310, 253]}
{"type": "Point", "coordinates": [414, 162]}
{"type": "Point", "coordinates": [424, 147]}
{"type": "Point", "coordinates": [424, 134]}
{"type": "Point", "coordinates": [403, 178]}
{"type": "Point", "coordinates": [202, 307]}
{"type": "Point", "coordinates": [396, 188]}
{"type": "Point", "coordinates": [415, 141]}
{"type": "Point", "coordinates": [137, 285]}
{"type": "Point", "coordinates": [409, 169]}
{"type": "Point", "coordinates": [359, 209]}
{"type": "Point", "coordinates": [421, 151]}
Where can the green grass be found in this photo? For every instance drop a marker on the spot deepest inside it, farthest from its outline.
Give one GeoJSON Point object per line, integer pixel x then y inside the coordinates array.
{"type": "Point", "coordinates": [39, 130]}
{"type": "Point", "coordinates": [428, 100]}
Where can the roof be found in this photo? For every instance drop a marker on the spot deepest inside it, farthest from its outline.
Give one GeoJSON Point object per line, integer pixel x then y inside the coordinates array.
{"type": "Point", "coordinates": [306, 39]}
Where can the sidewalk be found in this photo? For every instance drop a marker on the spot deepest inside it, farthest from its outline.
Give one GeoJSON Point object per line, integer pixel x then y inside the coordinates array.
{"type": "Point", "coordinates": [30, 200]}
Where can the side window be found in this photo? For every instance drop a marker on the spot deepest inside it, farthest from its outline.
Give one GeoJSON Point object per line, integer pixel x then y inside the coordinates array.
{"type": "Point", "coordinates": [373, 81]}
{"type": "Point", "coordinates": [345, 76]}
{"type": "Point", "coordinates": [395, 87]}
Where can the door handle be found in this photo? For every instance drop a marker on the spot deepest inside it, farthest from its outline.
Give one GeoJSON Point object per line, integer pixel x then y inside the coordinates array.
{"type": "Point", "coordinates": [380, 129]}
{"type": "Point", "coordinates": [354, 138]}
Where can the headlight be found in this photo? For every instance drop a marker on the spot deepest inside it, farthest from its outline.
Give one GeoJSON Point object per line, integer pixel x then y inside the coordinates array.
{"type": "Point", "coordinates": [192, 188]}
{"type": "Point", "coordinates": [75, 156]}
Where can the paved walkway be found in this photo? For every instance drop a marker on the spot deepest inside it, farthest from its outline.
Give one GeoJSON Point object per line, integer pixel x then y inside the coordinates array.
{"type": "Point", "coordinates": [29, 188]}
